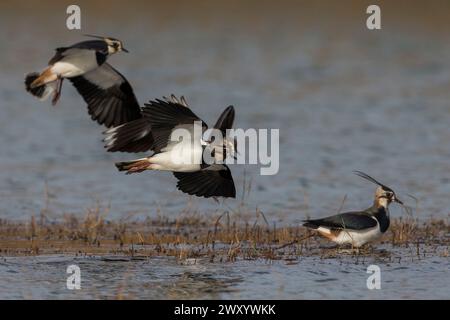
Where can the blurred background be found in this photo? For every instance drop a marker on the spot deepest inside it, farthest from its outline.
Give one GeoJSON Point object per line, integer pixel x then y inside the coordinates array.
{"type": "Point", "coordinates": [344, 98]}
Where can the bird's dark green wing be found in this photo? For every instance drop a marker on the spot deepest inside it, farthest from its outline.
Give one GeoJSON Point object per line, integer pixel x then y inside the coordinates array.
{"type": "Point", "coordinates": [109, 96]}
{"type": "Point", "coordinates": [99, 46]}
{"type": "Point", "coordinates": [165, 116]}
{"type": "Point", "coordinates": [214, 181]}
{"type": "Point", "coordinates": [348, 220]}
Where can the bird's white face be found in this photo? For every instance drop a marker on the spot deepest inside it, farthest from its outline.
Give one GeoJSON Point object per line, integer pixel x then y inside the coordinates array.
{"type": "Point", "coordinates": [114, 45]}
{"type": "Point", "coordinates": [384, 198]}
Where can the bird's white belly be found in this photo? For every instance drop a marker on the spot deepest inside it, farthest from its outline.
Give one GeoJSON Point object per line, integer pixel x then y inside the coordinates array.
{"type": "Point", "coordinates": [180, 158]}
{"type": "Point", "coordinates": [76, 64]}
{"type": "Point", "coordinates": [358, 237]}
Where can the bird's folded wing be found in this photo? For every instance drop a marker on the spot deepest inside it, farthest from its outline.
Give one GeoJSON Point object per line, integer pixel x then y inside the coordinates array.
{"type": "Point", "coordinates": [133, 136]}
{"type": "Point", "coordinates": [110, 97]}
{"type": "Point", "coordinates": [214, 181]}
{"type": "Point", "coordinates": [350, 220]}
{"type": "Point", "coordinates": [95, 45]}
{"type": "Point", "coordinates": [165, 116]}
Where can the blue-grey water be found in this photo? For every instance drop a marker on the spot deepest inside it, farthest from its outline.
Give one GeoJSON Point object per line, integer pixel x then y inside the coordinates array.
{"type": "Point", "coordinates": [344, 98]}
{"type": "Point", "coordinates": [45, 277]}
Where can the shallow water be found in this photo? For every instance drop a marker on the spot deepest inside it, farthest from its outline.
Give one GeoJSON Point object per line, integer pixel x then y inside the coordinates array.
{"type": "Point", "coordinates": [44, 277]}
{"type": "Point", "coordinates": [343, 99]}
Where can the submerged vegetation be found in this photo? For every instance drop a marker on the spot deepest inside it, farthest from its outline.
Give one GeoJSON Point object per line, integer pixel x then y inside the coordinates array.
{"type": "Point", "coordinates": [222, 238]}
{"type": "Point", "coordinates": [238, 233]}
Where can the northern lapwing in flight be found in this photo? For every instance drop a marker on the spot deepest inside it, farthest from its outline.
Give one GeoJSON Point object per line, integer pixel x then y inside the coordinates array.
{"type": "Point", "coordinates": [108, 94]}
{"type": "Point", "coordinates": [185, 157]}
{"type": "Point", "coordinates": [359, 227]}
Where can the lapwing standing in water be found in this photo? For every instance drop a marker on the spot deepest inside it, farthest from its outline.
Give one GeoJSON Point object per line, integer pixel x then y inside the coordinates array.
{"type": "Point", "coordinates": [110, 98]}
{"type": "Point", "coordinates": [185, 157]}
{"type": "Point", "coordinates": [359, 227]}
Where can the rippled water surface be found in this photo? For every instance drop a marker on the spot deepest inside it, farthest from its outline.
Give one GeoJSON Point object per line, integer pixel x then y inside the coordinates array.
{"type": "Point", "coordinates": [165, 278]}
{"type": "Point", "coordinates": [343, 98]}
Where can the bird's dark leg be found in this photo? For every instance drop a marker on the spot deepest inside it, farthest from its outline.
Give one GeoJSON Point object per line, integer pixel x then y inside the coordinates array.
{"type": "Point", "coordinates": [57, 94]}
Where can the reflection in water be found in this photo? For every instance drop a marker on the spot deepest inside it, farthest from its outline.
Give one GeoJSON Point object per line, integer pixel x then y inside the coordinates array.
{"type": "Point", "coordinates": [201, 285]}
{"type": "Point", "coordinates": [165, 278]}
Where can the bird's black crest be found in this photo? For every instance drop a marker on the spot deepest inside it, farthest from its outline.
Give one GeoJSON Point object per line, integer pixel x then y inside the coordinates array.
{"type": "Point", "coordinates": [369, 178]}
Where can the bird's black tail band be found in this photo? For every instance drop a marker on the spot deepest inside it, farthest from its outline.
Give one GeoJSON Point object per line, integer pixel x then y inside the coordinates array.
{"type": "Point", "coordinates": [42, 92]}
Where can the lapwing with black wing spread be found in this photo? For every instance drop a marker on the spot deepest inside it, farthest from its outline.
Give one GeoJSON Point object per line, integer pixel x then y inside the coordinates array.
{"type": "Point", "coordinates": [185, 157]}
{"type": "Point", "coordinates": [359, 227]}
{"type": "Point", "coordinates": [108, 94]}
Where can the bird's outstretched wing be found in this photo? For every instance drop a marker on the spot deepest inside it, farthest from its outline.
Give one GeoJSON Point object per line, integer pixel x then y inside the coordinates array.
{"type": "Point", "coordinates": [225, 120]}
{"type": "Point", "coordinates": [133, 136]}
{"type": "Point", "coordinates": [349, 220]}
{"type": "Point", "coordinates": [136, 136]}
{"type": "Point", "coordinates": [165, 116]}
{"type": "Point", "coordinates": [214, 181]}
{"type": "Point", "coordinates": [110, 97]}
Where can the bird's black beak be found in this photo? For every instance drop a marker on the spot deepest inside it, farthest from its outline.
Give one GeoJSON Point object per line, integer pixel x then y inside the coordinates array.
{"type": "Point", "coordinates": [398, 201]}
{"type": "Point", "coordinates": [125, 50]}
